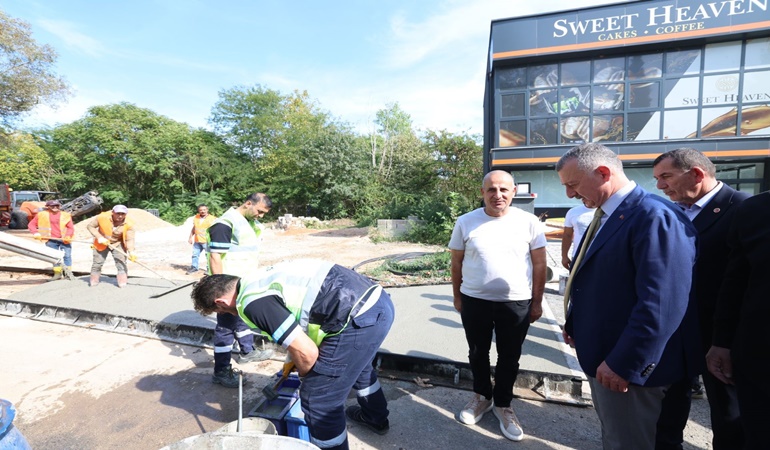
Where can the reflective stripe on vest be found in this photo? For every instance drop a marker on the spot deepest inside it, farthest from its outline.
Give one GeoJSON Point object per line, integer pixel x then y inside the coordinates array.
{"type": "Point", "coordinates": [242, 258]}
{"type": "Point", "coordinates": [296, 285]}
{"type": "Point", "coordinates": [44, 223]}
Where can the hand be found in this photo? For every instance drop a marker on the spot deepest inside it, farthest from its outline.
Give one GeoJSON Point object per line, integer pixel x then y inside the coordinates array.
{"type": "Point", "coordinates": [132, 256]}
{"type": "Point", "coordinates": [610, 379]}
{"type": "Point", "coordinates": [535, 312]}
{"type": "Point", "coordinates": [720, 364]}
{"type": "Point", "coordinates": [67, 240]}
{"type": "Point", "coordinates": [190, 241]}
{"type": "Point", "coordinates": [458, 301]}
{"type": "Point", "coordinates": [567, 338]}
{"type": "Point", "coordinates": [38, 236]}
{"type": "Point", "coordinates": [102, 241]}
{"type": "Point", "coordinates": [565, 262]}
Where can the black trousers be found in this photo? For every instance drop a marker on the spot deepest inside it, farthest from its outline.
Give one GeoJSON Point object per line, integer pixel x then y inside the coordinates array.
{"type": "Point", "coordinates": [510, 322]}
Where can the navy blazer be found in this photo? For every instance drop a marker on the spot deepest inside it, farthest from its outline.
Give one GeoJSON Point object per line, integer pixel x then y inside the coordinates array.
{"type": "Point", "coordinates": [631, 295]}
{"type": "Point", "coordinates": [713, 223]}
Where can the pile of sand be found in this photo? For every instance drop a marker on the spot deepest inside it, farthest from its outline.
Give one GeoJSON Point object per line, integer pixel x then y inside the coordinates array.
{"type": "Point", "coordinates": [143, 221]}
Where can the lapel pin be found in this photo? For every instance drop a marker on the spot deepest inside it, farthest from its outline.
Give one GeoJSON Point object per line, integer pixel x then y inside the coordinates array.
{"type": "Point", "coordinates": [716, 210]}
{"type": "Point", "coordinates": [622, 217]}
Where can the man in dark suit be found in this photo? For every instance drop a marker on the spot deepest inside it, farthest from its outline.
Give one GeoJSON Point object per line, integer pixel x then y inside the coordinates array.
{"type": "Point", "coordinates": [631, 321]}
{"type": "Point", "coordinates": [740, 354]}
{"type": "Point", "coordinates": [688, 178]}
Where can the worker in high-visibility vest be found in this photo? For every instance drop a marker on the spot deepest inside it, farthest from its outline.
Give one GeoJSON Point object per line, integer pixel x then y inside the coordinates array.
{"type": "Point", "coordinates": [113, 233]}
{"type": "Point", "coordinates": [54, 227]}
{"type": "Point", "coordinates": [198, 236]}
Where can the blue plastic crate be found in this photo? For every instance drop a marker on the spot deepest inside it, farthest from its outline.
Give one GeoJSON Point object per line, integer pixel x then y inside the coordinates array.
{"type": "Point", "coordinates": [295, 423]}
{"type": "Point", "coordinates": [288, 387]}
{"type": "Point", "coordinates": [274, 411]}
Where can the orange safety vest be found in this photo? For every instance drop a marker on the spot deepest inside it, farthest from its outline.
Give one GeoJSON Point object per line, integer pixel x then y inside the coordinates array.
{"type": "Point", "coordinates": [201, 225]}
{"type": "Point", "coordinates": [44, 223]}
{"type": "Point", "coordinates": [105, 227]}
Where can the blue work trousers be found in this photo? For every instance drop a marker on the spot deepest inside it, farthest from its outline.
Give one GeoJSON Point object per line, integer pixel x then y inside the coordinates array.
{"type": "Point", "coordinates": [66, 248]}
{"type": "Point", "coordinates": [228, 329]}
{"type": "Point", "coordinates": [198, 248]}
{"type": "Point", "coordinates": [345, 362]}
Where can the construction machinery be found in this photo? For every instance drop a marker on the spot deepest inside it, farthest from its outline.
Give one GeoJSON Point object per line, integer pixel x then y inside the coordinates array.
{"type": "Point", "coordinates": [17, 208]}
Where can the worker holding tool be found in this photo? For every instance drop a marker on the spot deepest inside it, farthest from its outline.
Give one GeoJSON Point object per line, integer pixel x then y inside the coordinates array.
{"type": "Point", "coordinates": [234, 241]}
{"type": "Point", "coordinates": [332, 320]}
{"type": "Point", "coordinates": [55, 228]}
{"type": "Point", "coordinates": [113, 233]}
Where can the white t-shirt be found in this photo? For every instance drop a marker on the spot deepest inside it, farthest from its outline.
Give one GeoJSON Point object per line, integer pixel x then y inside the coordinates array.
{"type": "Point", "coordinates": [497, 265]}
{"type": "Point", "coordinates": [579, 219]}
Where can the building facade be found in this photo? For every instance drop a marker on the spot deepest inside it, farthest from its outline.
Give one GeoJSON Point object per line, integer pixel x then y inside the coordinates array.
{"type": "Point", "coordinates": [642, 78]}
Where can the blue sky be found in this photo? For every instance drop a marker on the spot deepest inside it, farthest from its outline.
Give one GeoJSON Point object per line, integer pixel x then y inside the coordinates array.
{"type": "Point", "coordinates": [352, 57]}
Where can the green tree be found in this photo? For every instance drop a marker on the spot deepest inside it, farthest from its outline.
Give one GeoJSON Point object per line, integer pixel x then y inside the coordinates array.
{"type": "Point", "coordinates": [24, 164]}
{"type": "Point", "coordinates": [458, 161]}
{"type": "Point", "coordinates": [26, 71]}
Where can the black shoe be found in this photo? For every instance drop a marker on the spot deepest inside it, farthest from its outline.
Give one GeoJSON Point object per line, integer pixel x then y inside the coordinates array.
{"type": "Point", "coordinates": [227, 377]}
{"type": "Point", "coordinates": [191, 271]}
{"type": "Point", "coordinates": [355, 414]}
{"type": "Point", "coordinates": [697, 392]}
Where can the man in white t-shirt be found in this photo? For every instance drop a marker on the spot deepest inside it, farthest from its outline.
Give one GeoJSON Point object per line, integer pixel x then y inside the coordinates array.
{"type": "Point", "coordinates": [498, 279]}
{"type": "Point", "coordinates": [576, 222]}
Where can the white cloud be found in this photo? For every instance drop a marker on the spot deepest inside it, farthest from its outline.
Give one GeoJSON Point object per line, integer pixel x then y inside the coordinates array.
{"type": "Point", "coordinates": [72, 38]}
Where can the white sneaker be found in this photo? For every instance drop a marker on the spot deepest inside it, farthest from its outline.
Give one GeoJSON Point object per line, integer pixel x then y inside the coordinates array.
{"type": "Point", "coordinates": [474, 410]}
{"type": "Point", "coordinates": [509, 423]}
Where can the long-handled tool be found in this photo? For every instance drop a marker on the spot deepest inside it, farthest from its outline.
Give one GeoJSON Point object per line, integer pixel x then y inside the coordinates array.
{"type": "Point", "coordinates": [117, 248]}
{"type": "Point", "coordinates": [271, 392]}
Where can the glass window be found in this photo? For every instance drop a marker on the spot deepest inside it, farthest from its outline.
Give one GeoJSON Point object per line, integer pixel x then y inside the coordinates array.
{"type": "Point", "coordinates": [512, 133]}
{"type": "Point", "coordinates": [607, 128]}
{"type": "Point", "coordinates": [682, 92]}
{"type": "Point", "coordinates": [644, 95]}
{"type": "Point", "coordinates": [757, 53]}
{"type": "Point", "coordinates": [543, 102]}
{"type": "Point", "coordinates": [642, 67]}
{"type": "Point", "coordinates": [755, 86]}
{"type": "Point", "coordinates": [608, 97]}
{"type": "Point", "coordinates": [543, 76]}
{"type": "Point", "coordinates": [755, 120]}
{"type": "Point", "coordinates": [575, 73]}
{"type": "Point", "coordinates": [512, 105]}
{"type": "Point", "coordinates": [610, 69]}
{"type": "Point", "coordinates": [749, 188]}
{"type": "Point", "coordinates": [716, 122]}
{"type": "Point", "coordinates": [720, 89]}
{"type": "Point", "coordinates": [723, 56]}
{"type": "Point", "coordinates": [512, 78]}
{"type": "Point", "coordinates": [575, 129]}
{"type": "Point", "coordinates": [543, 132]}
{"type": "Point", "coordinates": [574, 100]}
{"type": "Point", "coordinates": [644, 124]}
{"type": "Point", "coordinates": [683, 62]}
{"type": "Point", "coordinates": [680, 124]}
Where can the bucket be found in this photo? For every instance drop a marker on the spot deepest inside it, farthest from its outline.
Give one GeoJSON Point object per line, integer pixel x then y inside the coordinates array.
{"type": "Point", "coordinates": [240, 441]}
{"type": "Point", "coordinates": [10, 436]}
{"type": "Point", "coordinates": [256, 425]}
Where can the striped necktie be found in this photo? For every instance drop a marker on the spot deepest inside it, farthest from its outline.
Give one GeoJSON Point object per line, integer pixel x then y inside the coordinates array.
{"type": "Point", "coordinates": [597, 220]}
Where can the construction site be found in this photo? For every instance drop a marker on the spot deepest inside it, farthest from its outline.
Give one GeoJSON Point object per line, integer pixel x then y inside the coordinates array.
{"type": "Point", "coordinates": [104, 367]}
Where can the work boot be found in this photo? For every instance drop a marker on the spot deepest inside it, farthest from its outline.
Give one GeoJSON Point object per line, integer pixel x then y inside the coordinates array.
{"type": "Point", "coordinates": [68, 272]}
{"type": "Point", "coordinates": [122, 280]}
{"type": "Point", "coordinates": [256, 355]}
{"type": "Point", "coordinates": [57, 273]}
{"type": "Point", "coordinates": [227, 377]}
{"type": "Point", "coordinates": [356, 414]}
{"type": "Point", "coordinates": [94, 279]}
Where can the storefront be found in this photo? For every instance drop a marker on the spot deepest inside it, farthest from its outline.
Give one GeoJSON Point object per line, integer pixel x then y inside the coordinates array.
{"type": "Point", "coordinates": [642, 78]}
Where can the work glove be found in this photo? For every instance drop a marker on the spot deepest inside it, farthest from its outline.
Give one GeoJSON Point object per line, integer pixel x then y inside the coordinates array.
{"type": "Point", "coordinates": [103, 241]}
{"type": "Point", "coordinates": [38, 236]}
{"type": "Point", "coordinates": [132, 256]}
{"type": "Point", "coordinates": [67, 240]}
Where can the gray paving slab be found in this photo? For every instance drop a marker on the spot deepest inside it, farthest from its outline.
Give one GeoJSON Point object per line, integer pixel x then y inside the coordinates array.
{"type": "Point", "coordinates": [426, 326]}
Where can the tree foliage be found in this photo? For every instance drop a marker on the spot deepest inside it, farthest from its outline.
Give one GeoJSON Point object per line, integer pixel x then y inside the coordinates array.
{"type": "Point", "coordinates": [24, 164]}
{"type": "Point", "coordinates": [26, 71]}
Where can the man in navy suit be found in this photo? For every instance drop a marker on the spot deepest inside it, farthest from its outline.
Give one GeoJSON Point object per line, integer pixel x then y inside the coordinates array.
{"type": "Point", "coordinates": [688, 178]}
{"type": "Point", "coordinates": [740, 353]}
{"type": "Point", "coordinates": [631, 320]}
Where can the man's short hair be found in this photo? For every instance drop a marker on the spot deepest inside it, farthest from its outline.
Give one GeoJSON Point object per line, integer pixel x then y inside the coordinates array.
{"type": "Point", "coordinates": [210, 288]}
{"type": "Point", "coordinates": [202, 205]}
{"type": "Point", "coordinates": [259, 197]}
{"type": "Point", "coordinates": [686, 158]}
{"type": "Point", "coordinates": [590, 156]}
